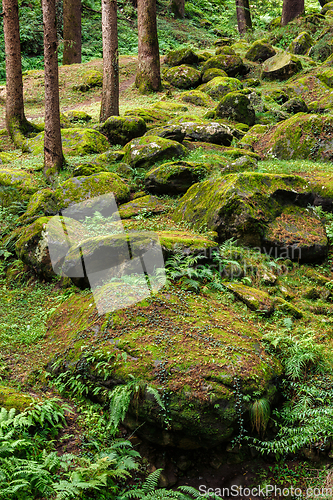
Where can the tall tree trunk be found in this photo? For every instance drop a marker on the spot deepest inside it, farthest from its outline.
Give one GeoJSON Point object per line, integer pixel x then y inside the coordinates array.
{"type": "Point", "coordinates": [110, 93]}
{"type": "Point", "coordinates": [72, 31]}
{"type": "Point", "coordinates": [243, 16]}
{"type": "Point", "coordinates": [178, 8]}
{"type": "Point", "coordinates": [148, 77]}
{"type": "Point", "coordinates": [16, 122]}
{"type": "Point", "coordinates": [53, 157]}
{"type": "Point", "coordinates": [290, 10]}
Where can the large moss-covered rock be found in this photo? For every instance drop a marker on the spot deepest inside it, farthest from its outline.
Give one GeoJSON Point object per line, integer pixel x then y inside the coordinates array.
{"type": "Point", "coordinates": [152, 116]}
{"type": "Point", "coordinates": [122, 129]}
{"type": "Point", "coordinates": [171, 131]}
{"type": "Point", "coordinates": [198, 98]}
{"type": "Point", "coordinates": [175, 177]}
{"type": "Point", "coordinates": [75, 142]}
{"type": "Point", "coordinates": [295, 105]}
{"type": "Point", "coordinates": [78, 189]}
{"type": "Point", "coordinates": [181, 56]}
{"type": "Point", "coordinates": [43, 202]}
{"type": "Point", "coordinates": [13, 398]}
{"type": "Point", "coordinates": [211, 73]}
{"type": "Point", "coordinates": [243, 205]}
{"type": "Point", "coordinates": [301, 136]}
{"type": "Point", "coordinates": [225, 50]}
{"type": "Point", "coordinates": [260, 51]}
{"type": "Point", "coordinates": [231, 64]}
{"type": "Point", "coordinates": [183, 77]}
{"type": "Point", "coordinates": [173, 108]}
{"type": "Point", "coordinates": [76, 115]}
{"type": "Point", "coordinates": [15, 185]}
{"type": "Point", "coordinates": [220, 86]}
{"type": "Point", "coordinates": [299, 230]}
{"type": "Point", "coordinates": [301, 44]}
{"type": "Point", "coordinates": [32, 247]}
{"type": "Point", "coordinates": [144, 205]}
{"type": "Point", "coordinates": [213, 132]}
{"type": "Point", "coordinates": [326, 76]}
{"type": "Point", "coordinates": [90, 79]}
{"type": "Point", "coordinates": [237, 107]}
{"type": "Point", "coordinates": [253, 136]}
{"type": "Point", "coordinates": [255, 299]}
{"type": "Point", "coordinates": [323, 49]}
{"type": "Point", "coordinates": [281, 66]}
{"type": "Point", "coordinates": [327, 7]}
{"type": "Point", "coordinates": [147, 150]}
{"type": "Point", "coordinates": [201, 364]}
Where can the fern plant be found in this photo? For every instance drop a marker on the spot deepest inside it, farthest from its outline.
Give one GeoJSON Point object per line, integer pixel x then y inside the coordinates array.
{"type": "Point", "coordinates": [150, 491]}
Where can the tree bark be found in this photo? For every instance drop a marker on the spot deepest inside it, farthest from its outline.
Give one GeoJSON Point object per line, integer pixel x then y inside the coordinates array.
{"type": "Point", "coordinates": [53, 157]}
{"type": "Point", "coordinates": [148, 77]}
{"type": "Point", "coordinates": [178, 8]}
{"type": "Point", "coordinates": [72, 31]}
{"type": "Point", "coordinates": [243, 16]}
{"type": "Point", "coordinates": [110, 92]}
{"type": "Point", "coordinates": [290, 10]}
{"type": "Point", "coordinates": [16, 122]}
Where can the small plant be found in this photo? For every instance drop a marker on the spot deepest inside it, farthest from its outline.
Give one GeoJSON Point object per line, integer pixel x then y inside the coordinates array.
{"type": "Point", "coordinates": [260, 413]}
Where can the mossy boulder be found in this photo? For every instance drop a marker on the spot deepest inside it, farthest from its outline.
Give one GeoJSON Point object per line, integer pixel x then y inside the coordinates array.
{"type": "Point", "coordinates": [122, 129]}
{"type": "Point", "coordinates": [326, 77]}
{"type": "Point", "coordinates": [236, 106]}
{"type": "Point", "coordinates": [75, 116]}
{"type": "Point", "coordinates": [79, 189]}
{"type": "Point", "coordinates": [295, 105]}
{"type": "Point", "coordinates": [225, 50]}
{"type": "Point", "coordinates": [231, 64]}
{"type": "Point", "coordinates": [281, 66]}
{"type": "Point", "coordinates": [301, 44]}
{"type": "Point", "coordinates": [219, 86]}
{"type": "Point", "coordinates": [253, 136]}
{"type": "Point", "coordinates": [43, 202]}
{"type": "Point", "coordinates": [211, 73]}
{"type": "Point", "coordinates": [145, 151]}
{"type": "Point", "coordinates": [303, 136]}
{"type": "Point", "coordinates": [197, 98]}
{"type": "Point", "coordinates": [327, 7]}
{"type": "Point", "coordinates": [260, 51]}
{"type": "Point", "coordinates": [32, 247]}
{"type": "Point", "coordinates": [255, 299]}
{"type": "Point", "coordinates": [12, 398]}
{"type": "Point", "coordinates": [144, 205]}
{"type": "Point", "coordinates": [323, 49]}
{"type": "Point", "coordinates": [171, 131]}
{"type": "Point", "coordinates": [175, 177]}
{"type": "Point", "coordinates": [183, 77]}
{"type": "Point", "coordinates": [90, 79]}
{"type": "Point", "coordinates": [75, 142]}
{"type": "Point", "coordinates": [201, 365]}
{"type": "Point", "coordinates": [152, 117]}
{"type": "Point", "coordinates": [88, 169]}
{"type": "Point", "coordinates": [300, 233]}
{"type": "Point", "coordinates": [173, 108]}
{"type": "Point", "coordinates": [242, 205]}
{"type": "Point", "coordinates": [222, 41]}
{"type": "Point", "coordinates": [212, 132]}
{"type": "Point", "coordinates": [15, 185]}
{"type": "Point", "coordinates": [181, 56]}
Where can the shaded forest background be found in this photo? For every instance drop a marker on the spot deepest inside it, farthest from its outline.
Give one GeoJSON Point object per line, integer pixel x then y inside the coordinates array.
{"type": "Point", "coordinates": [203, 21]}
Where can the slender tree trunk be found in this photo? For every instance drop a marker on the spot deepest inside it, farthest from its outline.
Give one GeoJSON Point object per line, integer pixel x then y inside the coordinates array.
{"type": "Point", "coordinates": [243, 16]}
{"type": "Point", "coordinates": [290, 10]}
{"type": "Point", "coordinates": [53, 157]}
{"type": "Point", "coordinates": [148, 77]}
{"type": "Point", "coordinates": [16, 122]}
{"type": "Point", "coordinates": [72, 31]}
{"type": "Point", "coordinates": [110, 93]}
{"type": "Point", "coordinates": [178, 8]}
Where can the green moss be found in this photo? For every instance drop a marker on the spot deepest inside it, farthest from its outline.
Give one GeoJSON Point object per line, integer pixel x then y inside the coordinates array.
{"type": "Point", "coordinates": [231, 64]}
{"type": "Point", "coordinates": [75, 141]}
{"type": "Point", "coordinates": [260, 51]}
{"type": "Point", "coordinates": [301, 44]}
{"type": "Point", "coordinates": [143, 205]}
{"type": "Point", "coordinates": [78, 189]}
{"type": "Point", "coordinates": [152, 117]}
{"type": "Point", "coordinates": [281, 66]}
{"type": "Point", "coordinates": [175, 177]}
{"type": "Point", "coordinates": [12, 398]}
{"type": "Point", "coordinates": [15, 185]}
{"type": "Point", "coordinates": [236, 106]}
{"type": "Point", "coordinates": [287, 308]}
{"type": "Point", "coordinates": [122, 129]}
{"type": "Point", "coordinates": [147, 150]}
{"type": "Point", "coordinates": [183, 77]}
{"type": "Point", "coordinates": [251, 137]}
{"type": "Point", "coordinates": [181, 56]}
{"type": "Point", "coordinates": [76, 115]}
{"type": "Point", "coordinates": [44, 202]}
{"type": "Point", "coordinates": [173, 240]}
{"type": "Point", "coordinates": [170, 107]}
{"type": "Point", "coordinates": [218, 87]}
{"type": "Point", "coordinates": [255, 299]}
{"type": "Point", "coordinates": [209, 74]}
